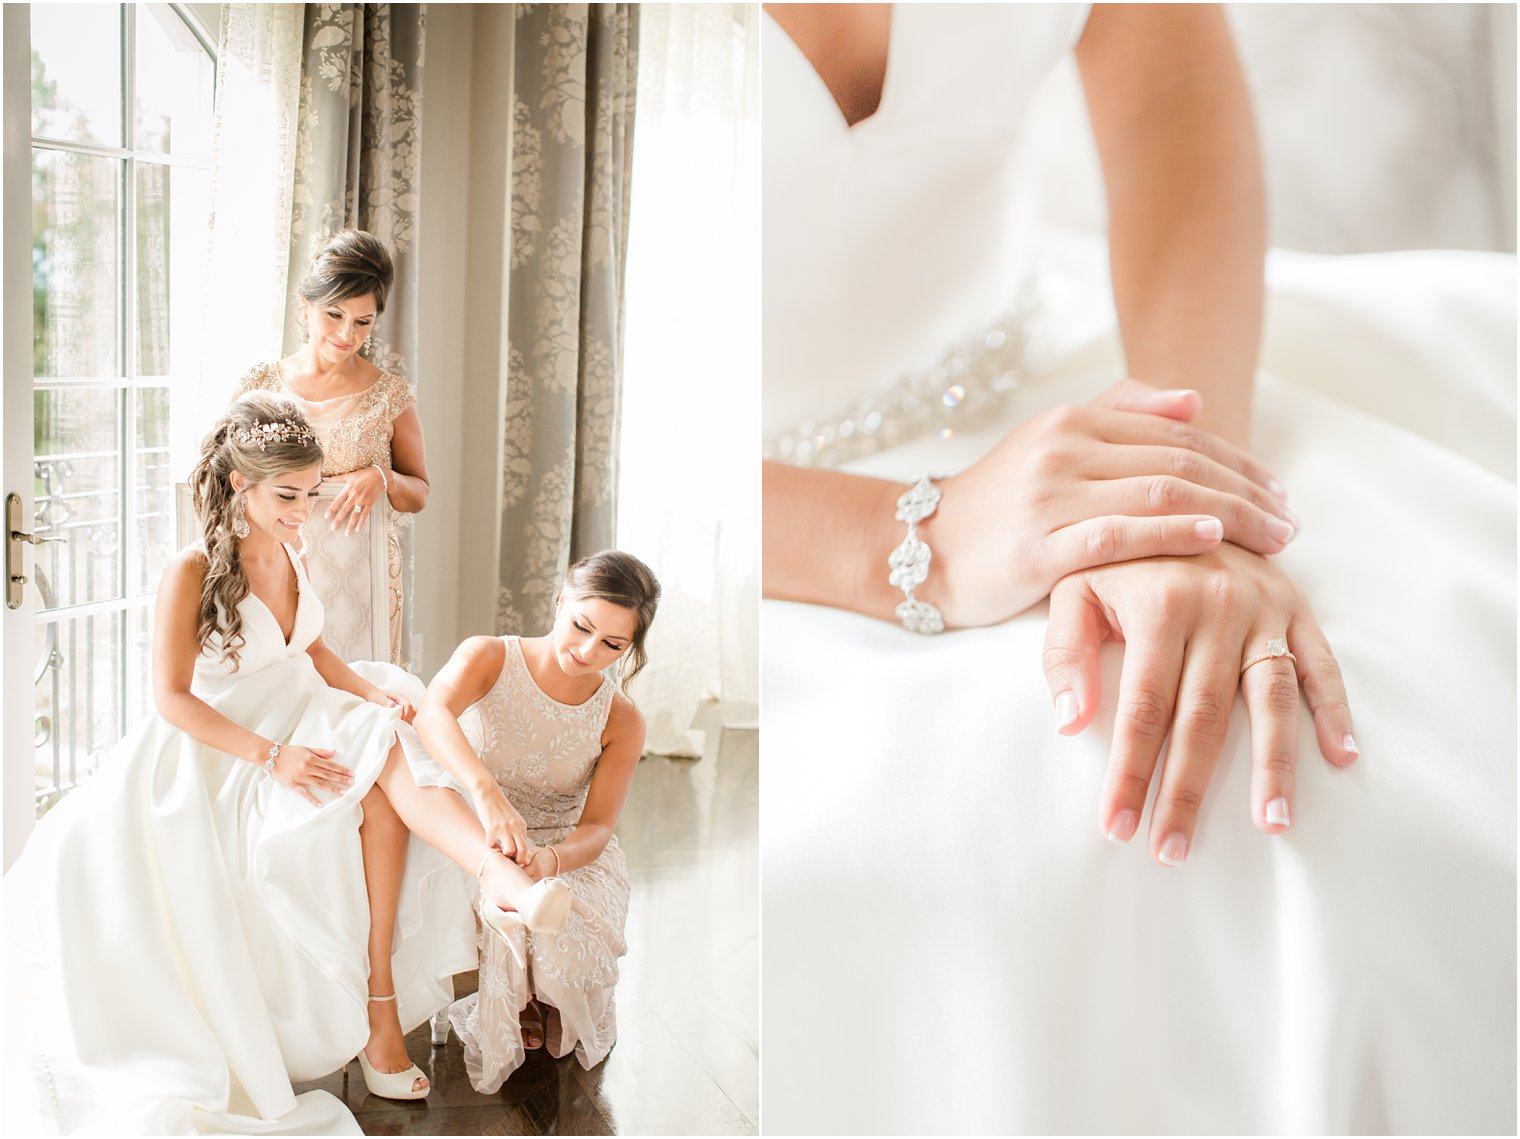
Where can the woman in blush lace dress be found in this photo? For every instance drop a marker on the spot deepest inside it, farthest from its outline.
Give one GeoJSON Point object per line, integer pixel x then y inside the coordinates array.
{"type": "Point", "coordinates": [544, 745]}
{"type": "Point", "coordinates": [365, 417]}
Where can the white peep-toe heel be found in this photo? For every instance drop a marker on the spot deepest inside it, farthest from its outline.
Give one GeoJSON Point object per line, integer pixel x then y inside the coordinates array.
{"type": "Point", "coordinates": [393, 1085]}
{"type": "Point", "coordinates": [542, 907]}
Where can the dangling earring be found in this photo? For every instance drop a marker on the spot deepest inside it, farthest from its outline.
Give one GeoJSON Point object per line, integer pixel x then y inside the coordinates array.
{"type": "Point", "coordinates": [239, 518]}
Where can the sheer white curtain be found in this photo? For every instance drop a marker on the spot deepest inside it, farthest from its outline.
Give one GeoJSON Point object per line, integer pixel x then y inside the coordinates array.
{"type": "Point", "coordinates": [252, 180]}
{"type": "Point", "coordinates": [688, 489]}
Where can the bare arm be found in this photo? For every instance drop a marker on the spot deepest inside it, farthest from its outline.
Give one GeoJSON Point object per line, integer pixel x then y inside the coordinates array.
{"type": "Point", "coordinates": [336, 674]}
{"type": "Point", "coordinates": [1187, 219]}
{"type": "Point", "coordinates": [462, 682]}
{"type": "Point", "coordinates": [622, 744]}
{"type": "Point", "coordinates": [826, 537]}
{"type": "Point", "coordinates": [302, 768]}
{"type": "Point", "coordinates": [408, 474]}
{"type": "Point", "coordinates": [175, 650]}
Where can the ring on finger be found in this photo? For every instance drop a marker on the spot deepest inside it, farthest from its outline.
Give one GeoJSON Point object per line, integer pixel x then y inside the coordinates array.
{"type": "Point", "coordinates": [1275, 648]}
{"type": "Point", "coordinates": [358, 509]}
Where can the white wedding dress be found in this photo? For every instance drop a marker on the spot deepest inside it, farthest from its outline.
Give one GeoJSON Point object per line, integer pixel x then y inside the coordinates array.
{"type": "Point", "coordinates": [185, 937]}
{"type": "Point", "coordinates": [950, 944]}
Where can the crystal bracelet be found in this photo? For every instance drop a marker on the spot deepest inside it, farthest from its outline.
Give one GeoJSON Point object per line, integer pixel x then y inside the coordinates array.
{"type": "Point", "coordinates": [910, 561]}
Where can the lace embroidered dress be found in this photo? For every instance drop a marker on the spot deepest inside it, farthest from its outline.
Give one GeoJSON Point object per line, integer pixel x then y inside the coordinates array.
{"type": "Point", "coordinates": [542, 754]}
{"type": "Point", "coordinates": [355, 431]}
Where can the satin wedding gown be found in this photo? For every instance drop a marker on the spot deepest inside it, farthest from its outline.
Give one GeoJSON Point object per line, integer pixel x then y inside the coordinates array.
{"type": "Point", "coordinates": [185, 937]}
{"type": "Point", "coordinates": [950, 944]}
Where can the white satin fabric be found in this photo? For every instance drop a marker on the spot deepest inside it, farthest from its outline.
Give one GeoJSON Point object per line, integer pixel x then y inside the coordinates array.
{"type": "Point", "coordinates": [185, 937]}
{"type": "Point", "coordinates": [951, 944]}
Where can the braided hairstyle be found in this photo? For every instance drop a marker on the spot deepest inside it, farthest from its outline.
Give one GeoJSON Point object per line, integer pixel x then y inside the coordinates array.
{"type": "Point", "coordinates": [247, 439]}
{"type": "Point", "coordinates": [623, 580]}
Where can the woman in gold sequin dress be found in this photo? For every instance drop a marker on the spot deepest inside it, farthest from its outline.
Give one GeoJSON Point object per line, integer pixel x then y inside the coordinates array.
{"type": "Point", "coordinates": [366, 418]}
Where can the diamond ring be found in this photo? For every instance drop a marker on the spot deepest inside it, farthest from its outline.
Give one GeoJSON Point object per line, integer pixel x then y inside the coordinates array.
{"type": "Point", "coordinates": [1274, 649]}
{"type": "Point", "coordinates": [357, 508]}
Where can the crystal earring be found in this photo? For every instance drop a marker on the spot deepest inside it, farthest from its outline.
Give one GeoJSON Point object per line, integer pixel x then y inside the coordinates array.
{"type": "Point", "coordinates": [239, 518]}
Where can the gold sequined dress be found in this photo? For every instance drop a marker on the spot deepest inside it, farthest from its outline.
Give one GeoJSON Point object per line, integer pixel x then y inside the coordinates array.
{"type": "Point", "coordinates": [355, 431]}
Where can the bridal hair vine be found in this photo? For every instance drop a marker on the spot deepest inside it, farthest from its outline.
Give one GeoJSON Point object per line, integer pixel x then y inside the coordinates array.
{"type": "Point", "coordinates": [260, 435]}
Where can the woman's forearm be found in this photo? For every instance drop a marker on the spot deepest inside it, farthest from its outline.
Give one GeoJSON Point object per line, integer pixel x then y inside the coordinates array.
{"type": "Point", "coordinates": [827, 536]}
{"type": "Point", "coordinates": [446, 742]}
{"type": "Point", "coordinates": [204, 724]}
{"type": "Point", "coordinates": [1187, 218]}
{"type": "Point", "coordinates": [582, 846]}
{"type": "Point", "coordinates": [407, 494]}
{"type": "Point", "coordinates": [336, 674]}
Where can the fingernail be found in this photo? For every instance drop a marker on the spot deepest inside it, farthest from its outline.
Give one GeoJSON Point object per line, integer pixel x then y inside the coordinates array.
{"type": "Point", "coordinates": [1350, 745]}
{"type": "Point", "coordinates": [1066, 710]}
{"type": "Point", "coordinates": [1174, 850]}
{"type": "Point", "coordinates": [1279, 812]}
{"type": "Point", "coordinates": [1277, 488]}
{"type": "Point", "coordinates": [1210, 529]}
{"type": "Point", "coordinates": [1280, 529]}
{"type": "Point", "coordinates": [1179, 393]}
{"type": "Point", "coordinates": [1122, 829]}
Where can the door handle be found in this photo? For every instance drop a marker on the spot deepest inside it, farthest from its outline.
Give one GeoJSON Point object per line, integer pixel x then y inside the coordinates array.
{"type": "Point", "coordinates": [15, 537]}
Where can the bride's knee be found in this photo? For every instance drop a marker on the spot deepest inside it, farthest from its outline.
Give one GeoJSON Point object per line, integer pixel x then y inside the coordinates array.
{"type": "Point", "coordinates": [379, 814]}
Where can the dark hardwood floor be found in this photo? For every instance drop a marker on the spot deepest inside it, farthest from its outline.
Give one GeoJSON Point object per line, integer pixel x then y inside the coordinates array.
{"type": "Point", "coordinates": [687, 1057]}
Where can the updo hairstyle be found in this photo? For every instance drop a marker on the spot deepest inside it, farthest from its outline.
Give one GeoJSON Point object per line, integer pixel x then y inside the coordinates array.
{"type": "Point", "coordinates": [352, 264]}
{"type": "Point", "coordinates": [263, 434]}
{"type": "Point", "coordinates": [621, 579]}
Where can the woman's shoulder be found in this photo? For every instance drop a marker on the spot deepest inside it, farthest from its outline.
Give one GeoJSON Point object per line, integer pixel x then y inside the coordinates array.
{"type": "Point", "coordinates": [185, 571]}
{"type": "Point", "coordinates": [623, 717]}
{"type": "Point", "coordinates": [260, 377]}
{"type": "Point", "coordinates": [392, 392]}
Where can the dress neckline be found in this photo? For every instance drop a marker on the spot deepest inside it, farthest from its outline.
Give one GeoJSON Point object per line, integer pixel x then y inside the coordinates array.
{"type": "Point", "coordinates": [887, 78]}
{"type": "Point", "coordinates": [516, 642]}
{"type": "Point", "coordinates": [290, 391]}
{"type": "Point", "coordinates": [295, 621]}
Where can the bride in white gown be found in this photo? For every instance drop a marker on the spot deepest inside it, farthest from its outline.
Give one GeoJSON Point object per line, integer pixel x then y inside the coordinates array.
{"type": "Point", "coordinates": [989, 962]}
{"type": "Point", "coordinates": [231, 903]}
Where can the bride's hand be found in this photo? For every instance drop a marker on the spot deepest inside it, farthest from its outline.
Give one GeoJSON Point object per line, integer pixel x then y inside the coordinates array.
{"type": "Point", "coordinates": [1121, 478]}
{"type": "Point", "coordinates": [393, 700]}
{"type": "Point", "coordinates": [504, 827]}
{"type": "Point", "coordinates": [304, 768]}
{"type": "Point", "coordinates": [1189, 624]}
{"type": "Point", "coordinates": [361, 490]}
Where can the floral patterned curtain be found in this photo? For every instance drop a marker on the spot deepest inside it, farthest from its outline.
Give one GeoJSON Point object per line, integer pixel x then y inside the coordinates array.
{"type": "Point", "coordinates": [358, 152]}
{"type": "Point", "coordinates": [574, 78]}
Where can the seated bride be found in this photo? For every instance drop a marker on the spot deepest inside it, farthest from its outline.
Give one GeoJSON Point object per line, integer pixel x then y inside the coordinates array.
{"type": "Point", "coordinates": [234, 901]}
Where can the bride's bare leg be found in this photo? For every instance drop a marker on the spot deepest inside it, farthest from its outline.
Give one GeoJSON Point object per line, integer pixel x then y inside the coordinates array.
{"type": "Point", "coordinates": [382, 839]}
{"type": "Point", "coordinates": [441, 818]}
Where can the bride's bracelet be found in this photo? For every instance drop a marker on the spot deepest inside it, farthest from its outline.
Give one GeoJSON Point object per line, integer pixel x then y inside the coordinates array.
{"type": "Point", "coordinates": [910, 561]}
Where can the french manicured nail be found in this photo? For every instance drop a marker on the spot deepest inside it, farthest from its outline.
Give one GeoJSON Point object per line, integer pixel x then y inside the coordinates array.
{"type": "Point", "coordinates": [1180, 393]}
{"type": "Point", "coordinates": [1277, 488]}
{"type": "Point", "coordinates": [1350, 745]}
{"type": "Point", "coordinates": [1280, 529]}
{"type": "Point", "coordinates": [1066, 710]}
{"type": "Point", "coordinates": [1279, 813]}
{"type": "Point", "coordinates": [1174, 850]}
{"type": "Point", "coordinates": [1210, 529]}
{"type": "Point", "coordinates": [1122, 829]}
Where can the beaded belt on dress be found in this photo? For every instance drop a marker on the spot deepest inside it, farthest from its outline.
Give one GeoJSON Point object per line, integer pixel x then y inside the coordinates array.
{"type": "Point", "coordinates": [972, 380]}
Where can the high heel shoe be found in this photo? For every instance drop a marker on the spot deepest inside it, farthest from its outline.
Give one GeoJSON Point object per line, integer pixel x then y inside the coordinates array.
{"type": "Point", "coordinates": [393, 1085]}
{"type": "Point", "coordinates": [542, 907]}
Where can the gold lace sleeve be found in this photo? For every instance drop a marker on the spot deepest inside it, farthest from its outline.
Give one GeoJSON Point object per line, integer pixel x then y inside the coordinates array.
{"type": "Point", "coordinates": [397, 394]}
{"type": "Point", "coordinates": [258, 378]}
